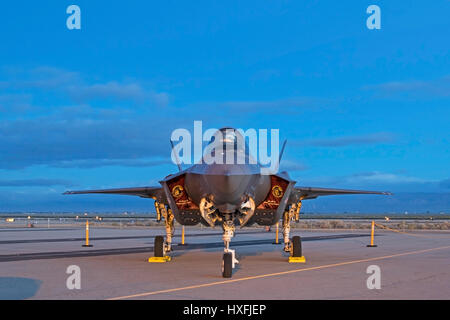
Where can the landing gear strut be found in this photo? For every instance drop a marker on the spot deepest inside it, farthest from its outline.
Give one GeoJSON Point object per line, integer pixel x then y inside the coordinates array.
{"type": "Point", "coordinates": [229, 255]}
{"type": "Point", "coordinates": [294, 246]}
{"type": "Point", "coordinates": [170, 228]}
{"type": "Point", "coordinates": [287, 217]}
{"type": "Point", "coordinates": [161, 247]}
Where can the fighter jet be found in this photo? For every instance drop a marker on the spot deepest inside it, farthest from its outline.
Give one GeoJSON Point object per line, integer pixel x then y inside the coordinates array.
{"type": "Point", "coordinates": [228, 195]}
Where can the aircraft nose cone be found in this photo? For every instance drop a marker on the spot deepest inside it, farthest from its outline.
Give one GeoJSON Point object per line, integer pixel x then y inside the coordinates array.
{"type": "Point", "coordinates": [227, 191]}
{"type": "Point", "coordinates": [226, 185]}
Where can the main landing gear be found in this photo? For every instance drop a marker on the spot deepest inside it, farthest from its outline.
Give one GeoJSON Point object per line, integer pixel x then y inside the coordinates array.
{"type": "Point", "coordinates": [287, 217]}
{"type": "Point", "coordinates": [294, 246]}
{"type": "Point", "coordinates": [161, 247]}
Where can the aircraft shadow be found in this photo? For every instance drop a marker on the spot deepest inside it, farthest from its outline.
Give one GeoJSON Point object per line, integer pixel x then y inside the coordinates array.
{"type": "Point", "coordinates": [12, 288]}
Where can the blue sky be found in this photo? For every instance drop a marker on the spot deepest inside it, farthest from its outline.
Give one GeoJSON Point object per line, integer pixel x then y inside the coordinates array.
{"type": "Point", "coordinates": [94, 108]}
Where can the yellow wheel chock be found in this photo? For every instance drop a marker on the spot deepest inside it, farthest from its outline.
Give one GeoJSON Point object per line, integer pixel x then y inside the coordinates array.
{"type": "Point", "coordinates": [160, 259]}
{"type": "Point", "coordinates": [297, 259]}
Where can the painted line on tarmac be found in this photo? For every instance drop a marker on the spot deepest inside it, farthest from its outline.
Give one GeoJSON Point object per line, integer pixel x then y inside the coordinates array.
{"type": "Point", "coordinates": [146, 294]}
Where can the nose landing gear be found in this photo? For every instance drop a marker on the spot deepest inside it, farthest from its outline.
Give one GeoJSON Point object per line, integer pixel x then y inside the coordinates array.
{"type": "Point", "coordinates": [229, 256]}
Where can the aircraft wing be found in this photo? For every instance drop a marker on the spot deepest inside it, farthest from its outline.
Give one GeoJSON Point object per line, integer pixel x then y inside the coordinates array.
{"type": "Point", "coordinates": [144, 192]}
{"type": "Point", "coordinates": [300, 193]}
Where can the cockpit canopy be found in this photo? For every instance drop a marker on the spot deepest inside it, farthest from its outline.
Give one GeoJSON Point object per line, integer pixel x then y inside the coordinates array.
{"type": "Point", "coordinates": [229, 137]}
{"type": "Point", "coordinates": [231, 141]}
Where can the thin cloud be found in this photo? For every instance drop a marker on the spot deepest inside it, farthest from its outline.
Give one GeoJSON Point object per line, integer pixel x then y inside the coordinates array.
{"type": "Point", "coordinates": [116, 90]}
{"type": "Point", "coordinates": [417, 88]}
{"type": "Point", "coordinates": [95, 163]}
{"type": "Point", "coordinates": [382, 177]}
{"type": "Point", "coordinates": [275, 105]}
{"type": "Point", "coordinates": [244, 108]}
{"type": "Point", "coordinates": [445, 183]}
{"type": "Point", "coordinates": [15, 103]}
{"type": "Point", "coordinates": [86, 137]}
{"type": "Point", "coordinates": [40, 78]}
{"type": "Point", "coordinates": [63, 142]}
{"type": "Point", "coordinates": [81, 89]}
{"type": "Point", "coordinates": [367, 139]}
{"type": "Point", "coordinates": [376, 180]}
{"type": "Point", "coordinates": [292, 166]}
{"type": "Point", "coordinates": [35, 183]}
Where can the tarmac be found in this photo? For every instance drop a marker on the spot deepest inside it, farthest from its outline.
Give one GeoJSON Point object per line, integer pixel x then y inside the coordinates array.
{"type": "Point", "coordinates": [33, 265]}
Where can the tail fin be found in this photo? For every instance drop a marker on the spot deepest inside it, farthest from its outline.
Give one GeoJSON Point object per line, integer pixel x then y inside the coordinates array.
{"type": "Point", "coordinates": [282, 150]}
{"type": "Point", "coordinates": [176, 156]}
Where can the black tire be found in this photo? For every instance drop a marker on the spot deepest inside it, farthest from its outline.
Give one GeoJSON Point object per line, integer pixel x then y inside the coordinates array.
{"type": "Point", "coordinates": [296, 246]}
{"type": "Point", "coordinates": [227, 265]}
{"type": "Point", "coordinates": [159, 246]}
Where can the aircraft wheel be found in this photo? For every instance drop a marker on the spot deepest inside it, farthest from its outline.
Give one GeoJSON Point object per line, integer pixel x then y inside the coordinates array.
{"type": "Point", "coordinates": [227, 265]}
{"type": "Point", "coordinates": [296, 246]}
{"type": "Point", "coordinates": [159, 246]}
